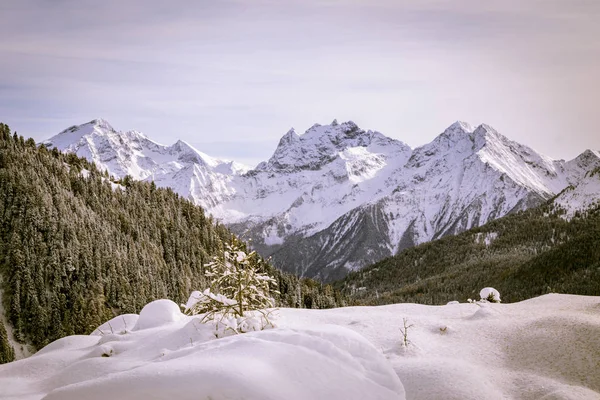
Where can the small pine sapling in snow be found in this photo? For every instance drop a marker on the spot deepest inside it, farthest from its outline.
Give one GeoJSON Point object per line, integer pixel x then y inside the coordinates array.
{"type": "Point", "coordinates": [491, 298]}
{"type": "Point", "coordinates": [405, 340]}
{"type": "Point", "coordinates": [239, 297]}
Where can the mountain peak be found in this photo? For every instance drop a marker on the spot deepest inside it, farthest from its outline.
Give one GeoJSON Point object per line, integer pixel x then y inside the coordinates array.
{"type": "Point", "coordinates": [589, 154]}
{"type": "Point", "coordinates": [588, 160]}
{"type": "Point", "coordinates": [71, 137]}
{"type": "Point", "coordinates": [77, 132]}
{"type": "Point", "coordinates": [458, 136]}
{"type": "Point", "coordinates": [484, 135]}
{"type": "Point", "coordinates": [188, 154]}
{"type": "Point", "coordinates": [474, 138]}
{"type": "Point", "coordinates": [460, 126]}
{"type": "Point", "coordinates": [99, 125]}
{"type": "Point", "coordinates": [321, 144]}
{"type": "Point", "coordinates": [289, 138]}
{"type": "Point", "coordinates": [460, 140]}
{"type": "Point", "coordinates": [335, 127]}
{"type": "Point", "coordinates": [480, 135]}
{"type": "Point", "coordinates": [131, 152]}
{"type": "Point", "coordinates": [485, 129]}
{"type": "Point", "coordinates": [182, 145]}
{"type": "Point", "coordinates": [102, 123]}
{"type": "Point", "coordinates": [349, 126]}
{"type": "Point", "coordinates": [457, 131]}
{"type": "Point", "coordinates": [335, 133]}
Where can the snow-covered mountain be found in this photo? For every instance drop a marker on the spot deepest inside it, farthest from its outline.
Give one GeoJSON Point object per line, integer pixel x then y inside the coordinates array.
{"type": "Point", "coordinates": [582, 196]}
{"type": "Point", "coordinates": [180, 166]}
{"type": "Point", "coordinates": [338, 197]}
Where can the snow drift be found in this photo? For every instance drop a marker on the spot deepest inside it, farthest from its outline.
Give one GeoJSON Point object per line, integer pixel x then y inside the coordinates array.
{"type": "Point", "coordinates": [543, 348]}
{"type": "Point", "coordinates": [170, 355]}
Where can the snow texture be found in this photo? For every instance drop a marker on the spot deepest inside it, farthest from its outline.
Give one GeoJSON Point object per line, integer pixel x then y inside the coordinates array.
{"type": "Point", "coordinates": [544, 348]}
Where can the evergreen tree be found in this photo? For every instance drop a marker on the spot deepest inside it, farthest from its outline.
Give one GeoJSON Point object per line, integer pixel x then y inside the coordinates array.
{"type": "Point", "coordinates": [7, 353]}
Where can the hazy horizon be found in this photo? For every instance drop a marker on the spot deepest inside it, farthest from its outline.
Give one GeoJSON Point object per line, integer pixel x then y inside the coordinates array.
{"type": "Point", "coordinates": [231, 78]}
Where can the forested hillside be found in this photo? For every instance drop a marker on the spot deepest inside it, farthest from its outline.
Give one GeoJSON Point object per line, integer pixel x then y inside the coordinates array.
{"type": "Point", "coordinates": [522, 255]}
{"type": "Point", "coordinates": [7, 352]}
{"type": "Point", "coordinates": [77, 249]}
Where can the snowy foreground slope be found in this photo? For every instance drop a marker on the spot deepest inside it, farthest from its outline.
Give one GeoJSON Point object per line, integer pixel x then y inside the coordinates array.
{"type": "Point", "coordinates": [547, 347]}
{"type": "Point", "coordinates": [337, 197]}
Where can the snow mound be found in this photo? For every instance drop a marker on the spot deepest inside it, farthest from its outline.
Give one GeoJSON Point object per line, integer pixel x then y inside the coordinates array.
{"type": "Point", "coordinates": [486, 292]}
{"type": "Point", "coordinates": [181, 359]}
{"type": "Point", "coordinates": [484, 312]}
{"type": "Point", "coordinates": [158, 313]}
{"type": "Point", "coordinates": [121, 324]}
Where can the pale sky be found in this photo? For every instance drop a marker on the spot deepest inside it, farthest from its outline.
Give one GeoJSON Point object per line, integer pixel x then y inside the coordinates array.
{"type": "Point", "coordinates": [231, 77]}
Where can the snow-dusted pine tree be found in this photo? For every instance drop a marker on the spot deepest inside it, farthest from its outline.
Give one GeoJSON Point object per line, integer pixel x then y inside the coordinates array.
{"type": "Point", "coordinates": [238, 291]}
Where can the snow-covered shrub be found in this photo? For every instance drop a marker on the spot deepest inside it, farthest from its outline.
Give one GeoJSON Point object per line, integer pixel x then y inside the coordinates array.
{"type": "Point", "coordinates": [239, 298]}
{"type": "Point", "coordinates": [490, 294]}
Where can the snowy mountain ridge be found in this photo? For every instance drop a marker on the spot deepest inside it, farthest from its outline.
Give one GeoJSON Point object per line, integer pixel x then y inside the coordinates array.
{"type": "Point", "coordinates": [338, 197]}
{"type": "Point", "coordinates": [133, 153]}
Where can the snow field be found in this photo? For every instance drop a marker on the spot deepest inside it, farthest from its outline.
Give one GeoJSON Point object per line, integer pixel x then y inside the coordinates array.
{"type": "Point", "coordinates": [543, 348]}
{"type": "Point", "coordinates": [170, 354]}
